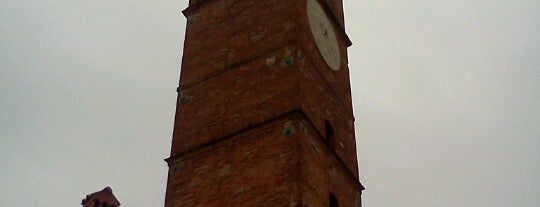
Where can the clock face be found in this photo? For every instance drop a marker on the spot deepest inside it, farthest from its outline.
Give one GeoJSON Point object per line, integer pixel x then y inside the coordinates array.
{"type": "Point", "coordinates": [324, 35]}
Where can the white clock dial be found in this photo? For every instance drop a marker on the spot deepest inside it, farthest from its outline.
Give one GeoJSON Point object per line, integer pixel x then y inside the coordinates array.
{"type": "Point", "coordinates": [324, 35]}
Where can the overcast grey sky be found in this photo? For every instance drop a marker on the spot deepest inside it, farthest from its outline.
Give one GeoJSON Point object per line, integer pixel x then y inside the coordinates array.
{"type": "Point", "coordinates": [446, 98]}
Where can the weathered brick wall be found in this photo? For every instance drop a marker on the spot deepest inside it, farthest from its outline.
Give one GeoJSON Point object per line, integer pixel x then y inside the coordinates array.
{"type": "Point", "coordinates": [235, 99]}
{"type": "Point", "coordinates": [247, 62]}
{"type": "Point", "coordinates": [320, 105]}
{"type": "Point", "coordinates": [282, 162]}
{"type": "Point", "coordinates": [239, 70]}
{"type": "Point", "coordinates": [322, 174]}
{"type": "Point", "coordinates": [267, 87]}
{"type": "Point", "coordinates": [257, 167]}
{"type": "Point", "coordinates": [220, 34]}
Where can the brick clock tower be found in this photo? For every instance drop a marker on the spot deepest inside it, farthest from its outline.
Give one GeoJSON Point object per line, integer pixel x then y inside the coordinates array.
{"type": "Point", "coordinates": [264, 114]}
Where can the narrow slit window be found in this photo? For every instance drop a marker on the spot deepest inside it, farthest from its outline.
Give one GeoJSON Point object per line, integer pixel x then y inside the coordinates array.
{"type": "Point", "coordinates": [329, 134]}
{"type": "Point", "coordinates": [333, 200]}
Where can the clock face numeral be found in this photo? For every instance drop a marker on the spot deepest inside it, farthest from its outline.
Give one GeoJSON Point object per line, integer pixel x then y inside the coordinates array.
{"type": "Point", "coordinates": [324, 35]}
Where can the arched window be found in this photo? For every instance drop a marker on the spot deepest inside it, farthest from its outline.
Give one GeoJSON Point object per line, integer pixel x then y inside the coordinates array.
{"type": "Point", "coordinates": [333, 200]}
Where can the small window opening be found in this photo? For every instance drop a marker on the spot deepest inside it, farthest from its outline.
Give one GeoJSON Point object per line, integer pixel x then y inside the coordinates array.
{"type": "Point", "coordinates": [333, 200]}
{"type": "Point", "coordinates": [329, 134]}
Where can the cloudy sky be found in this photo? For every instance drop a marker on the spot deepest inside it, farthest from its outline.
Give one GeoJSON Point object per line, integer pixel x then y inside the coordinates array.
{"type": "Point", "coordinates": [446, 98]}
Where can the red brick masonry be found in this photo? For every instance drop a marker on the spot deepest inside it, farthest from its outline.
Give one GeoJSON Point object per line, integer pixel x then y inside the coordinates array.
{"type": "Point", "coordinates": [256, 102]}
